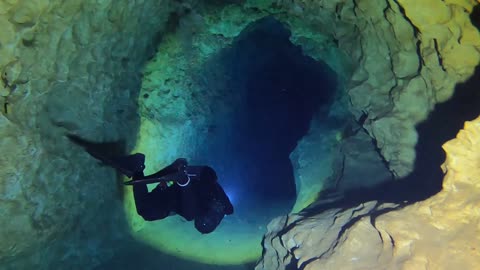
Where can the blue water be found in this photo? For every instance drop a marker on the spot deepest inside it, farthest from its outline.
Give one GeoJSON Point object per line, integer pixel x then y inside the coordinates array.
{"type": "Point", "coordinates": [280, 90]}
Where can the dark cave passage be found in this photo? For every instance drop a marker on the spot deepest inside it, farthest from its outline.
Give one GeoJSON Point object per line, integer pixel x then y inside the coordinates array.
{"type": "Point", "coordinates": [278, 91]}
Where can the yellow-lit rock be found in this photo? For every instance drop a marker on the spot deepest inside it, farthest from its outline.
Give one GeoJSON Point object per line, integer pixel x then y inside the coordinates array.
{"type": "Point", "coordinates": [441, 232]}
{"type": "Point", "coordinates": [426, 12]}
{"type": "Point", "coordinates": [437, 21]}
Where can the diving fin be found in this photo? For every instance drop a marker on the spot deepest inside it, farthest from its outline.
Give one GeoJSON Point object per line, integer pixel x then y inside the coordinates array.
{"type": "Point", "coordinates": [128, 165]}
{"type": "Point", "coordinates": [131, 165]}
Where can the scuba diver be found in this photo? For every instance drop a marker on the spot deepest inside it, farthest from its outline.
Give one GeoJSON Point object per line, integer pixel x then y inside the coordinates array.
{"type": "Point", "coordinates": [189, 191]}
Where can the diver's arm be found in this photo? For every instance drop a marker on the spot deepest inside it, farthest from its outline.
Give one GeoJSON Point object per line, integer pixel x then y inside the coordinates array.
{"type": "Point", "coordinates": [140, 194]}
{"type": "Point", "coordinates": [176, 166]}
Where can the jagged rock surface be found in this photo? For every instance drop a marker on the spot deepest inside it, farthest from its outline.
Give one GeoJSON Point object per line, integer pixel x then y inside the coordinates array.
{"type": "Point", "coordinates": [397, 67]}
{"type": "Point", "coordinates": [391, 66]}
{"type": "Point", "coordinates": [439, 233]}
{"type": "Point", "coordinates": [360, 164]}
{"type": "Point", "coordinates": [310, 242]}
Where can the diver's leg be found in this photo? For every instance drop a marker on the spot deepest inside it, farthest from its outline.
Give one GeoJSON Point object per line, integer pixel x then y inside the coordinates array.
{"type": "Point", "coordinates": [142, 200]}
{"type": "Point", "coordinates": [157, 204]}
{"type": "Point", "coordinates": [131, 165]}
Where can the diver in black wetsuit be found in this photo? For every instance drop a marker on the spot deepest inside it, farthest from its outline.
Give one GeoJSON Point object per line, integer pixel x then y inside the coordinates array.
{"type": "Point", "coordinates": [189, 191]}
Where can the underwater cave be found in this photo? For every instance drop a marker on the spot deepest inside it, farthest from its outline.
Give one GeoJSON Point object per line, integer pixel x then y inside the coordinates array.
{"type": "Point", "coordinates": [327, 124]}
{"type": "Point", "coordinates": [278, 90]}
{"type": "Point", "coordinates": [247, 108]}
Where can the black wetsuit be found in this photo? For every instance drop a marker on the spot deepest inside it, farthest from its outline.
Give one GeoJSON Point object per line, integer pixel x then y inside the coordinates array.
{"type": "Point", "coordinates": [202, 199]}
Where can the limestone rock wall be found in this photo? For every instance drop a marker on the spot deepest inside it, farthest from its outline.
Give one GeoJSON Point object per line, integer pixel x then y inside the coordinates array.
{"type": "Point", "coordinates": [314, 161]}
{"type": "Point", "coordinates": [299, 242]}
{"type": "Point", "coordinates": [184, 92]}
{"type": "Point", "coordinates": [400, 58]}
{"type": "Point", "coordinates": [441, 232]}
{"type": "Point", "coordinates": [420, 76]}
{"type": "Point", "coordinates": [390, 60]}
{"type": "Point", "coordinates": [401, 71]}
{"type": "Point", "coordinates": [441, 53]}
{"type": "Point", "coordinates": [66, 66]}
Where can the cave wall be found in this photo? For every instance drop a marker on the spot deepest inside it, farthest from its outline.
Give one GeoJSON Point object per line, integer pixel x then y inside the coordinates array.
{"type": "Point", "coordinates": [441, 232]}
{"type": "Point", "coordinates": [74, 67]}
{"type": "Point", "coordinates": [395, 60]}
{"type": "Point", "coordinates": [67, 67]}
{"type": "Point", "coordinates": [404, 57]}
